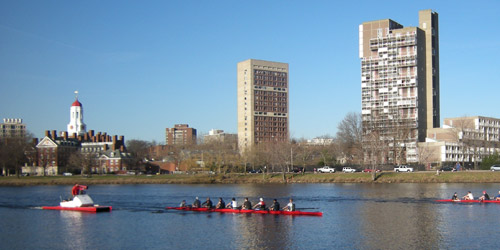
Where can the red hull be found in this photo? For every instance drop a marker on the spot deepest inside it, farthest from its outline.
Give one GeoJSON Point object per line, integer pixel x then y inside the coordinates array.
{"type": "Point", "coordinates": [227, 210]}
{"type": "Point", "coordinates": [468, 201]}
{"type": "Point", "coordinates": [81, 209]}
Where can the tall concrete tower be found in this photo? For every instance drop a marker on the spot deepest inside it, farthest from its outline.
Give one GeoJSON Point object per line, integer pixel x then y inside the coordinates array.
{"type": "Point", "coordinates": [400, 80]}
{"type": "Point", "coordinates": [262, 102]}
{"type": "Point", "coordinates": [76, 125]}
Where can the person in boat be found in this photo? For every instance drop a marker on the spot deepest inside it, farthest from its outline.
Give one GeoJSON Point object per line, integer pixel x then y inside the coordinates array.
{"type": "Point", "coordinates": [497, 198]}
{"type": "Point", "coordinates": [468, 196]}
{"type": "Point", "coordinates": [221, 204]}
{"type": "Point", "coordinates": [78, 189]}
{"type": "Point", "coordinates": [233, 204]}
{"type": "Point", "coordinates": [208, 203]}
{"type": "Point", "coordinates": [275, 206]}
{"type": "Point", "coordinates": [261, 205]}
{"type": "Point", "coordinates": [196, 203]}
{"type": "Point", "coordinates": [485, 196]}
{"type": "Point", "coordinates": [247, 205]}
{"type": "Point", "coordinates": [290, 206]}
{"type": "Point", "coordinates": [455, 197]}
{"type": "Point", "coordinates": [183, 203]}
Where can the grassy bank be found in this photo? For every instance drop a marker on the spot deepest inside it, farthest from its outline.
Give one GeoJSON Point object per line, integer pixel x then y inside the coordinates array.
{"type": "Point", "coordinates": [385, 177]}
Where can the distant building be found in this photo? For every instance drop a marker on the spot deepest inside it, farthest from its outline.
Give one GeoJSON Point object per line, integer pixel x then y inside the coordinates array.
{"type": "Point", "coordinates": [463, 139]}
{"type": "Point", "coordinates": [217, 135]}
{"type": "Point", "coordinates": [263, 103]}
{"type": "Point", "coordinates": [12, 128]}
{"type": "Point", "coordinates": [53, 151]}
{"type": "Point", "coordinates": [180, 134]}
{"type": "Point", "coordinates": [320, 141]}
{"type": "Point", "coordinates": [400, 80]}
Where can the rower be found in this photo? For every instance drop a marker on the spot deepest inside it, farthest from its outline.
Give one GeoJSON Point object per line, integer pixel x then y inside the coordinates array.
{"type": "Point", "coordinates": [233, 204]}
{"type": "Point", "coordinates": [468, 196]}
{"type": "Point", "coordinates": [247, 205]}
{"type": "Point", "coordinates": [290, 206]}
{"type": "Point", "coordinates": [207, 204]}
{"type": "Point", "coordinates": [497, 198]}
{"type": "Point", "coordinates": [183, 203]}
{"type": "Point", "coordinates": [455, 197]}
{"type": "Point", "coordinates": [485, 196]}
{"type": "Point", "coordinates": [196, 203]}
{"type": "Point", "coordinates": [221, 204]}
{"type": "Point", "coordinates": [261, 205]}
{"type": "Point", "coordinates": [275, 206]}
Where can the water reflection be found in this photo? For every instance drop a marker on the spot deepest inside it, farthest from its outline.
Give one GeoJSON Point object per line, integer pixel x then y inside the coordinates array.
{"type": "Point", "coordinates": [74, 232]}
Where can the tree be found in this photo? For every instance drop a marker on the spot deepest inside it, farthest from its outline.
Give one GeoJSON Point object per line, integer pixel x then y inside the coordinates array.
{"type": "Point", "coordinates": [349, 137]}
{"type": "Point", "coordinates": [139, 151]}
{"type": "Point", "coordinates": [375, 151]}
{"type": "Point", "coordinates": [84, 160]}
{"type": "Point", "coordinates": [490, 160]}
{"type": "Point", "coordinates": [14, 152]}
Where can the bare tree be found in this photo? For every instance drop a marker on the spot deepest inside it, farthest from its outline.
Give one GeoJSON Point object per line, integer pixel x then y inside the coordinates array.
{"type": "Point", "coordinates": [85, 161]}
{"type": "Point", "coordinates": [14, 152]}
{"type": "Point", "coordinates": [375, 149]}
{"type": "Point", "coordinates": [349, 136]}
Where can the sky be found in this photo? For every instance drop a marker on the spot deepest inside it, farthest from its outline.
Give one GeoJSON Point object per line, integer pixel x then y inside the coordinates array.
{"type": "Point", "coordinates": [143, 66]}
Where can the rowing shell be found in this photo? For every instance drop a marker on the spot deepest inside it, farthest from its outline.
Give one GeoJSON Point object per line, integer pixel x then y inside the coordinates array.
{"type": "Point", "coordinates": [250, 211]}
{"type": "Point", "coordinates": [469, 201]}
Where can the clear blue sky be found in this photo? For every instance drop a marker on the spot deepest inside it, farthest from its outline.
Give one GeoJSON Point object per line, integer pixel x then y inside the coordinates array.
{"type": "Point", "coordinates": [143, 66]}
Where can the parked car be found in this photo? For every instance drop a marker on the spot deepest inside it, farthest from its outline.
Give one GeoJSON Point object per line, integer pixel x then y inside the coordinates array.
{"type": "Point", "coordinates": [495, 168]}
{"type": "Point", "coordinates": [447, 168]}
{"type": "Point", "coordinates": [348, 170]}
{"type": "Point", "coordinates": [255, 171]}
{"type": "Point", "coordinates": [299, 169]}
{"type": "Point", "coordinates": [369, 170]}
{"type": "Point", "coordinates": [403, 168]}
{"type": "Point", "coordinates": [326, 169]}
{"type": "Point", "coordinates": [67, 174]}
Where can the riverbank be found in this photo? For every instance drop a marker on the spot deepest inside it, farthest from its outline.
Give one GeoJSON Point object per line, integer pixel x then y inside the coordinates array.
{"type": "Point", "coordinates": [384, 177]}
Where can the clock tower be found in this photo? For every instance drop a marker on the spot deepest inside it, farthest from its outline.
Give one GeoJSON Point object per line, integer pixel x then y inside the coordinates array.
{"type": "Point", "coordinates": [76, 124]}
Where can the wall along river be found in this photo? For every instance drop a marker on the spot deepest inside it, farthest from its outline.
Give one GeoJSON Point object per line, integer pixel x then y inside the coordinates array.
{"type": "Point", "coordinates": [355, 216]}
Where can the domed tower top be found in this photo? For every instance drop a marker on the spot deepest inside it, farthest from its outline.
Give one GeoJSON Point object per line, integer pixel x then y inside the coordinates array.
{"type": "Point", "coordinates": [76, 124]}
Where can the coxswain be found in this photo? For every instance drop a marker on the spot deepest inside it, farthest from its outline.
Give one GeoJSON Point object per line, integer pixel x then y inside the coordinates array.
{"type": "Point", "coordinates": [455, 197]}
{"type": "Point", "coordinates": [207, 204]}
{"type": "Point", "coordinates": [485, 196]}
{"type": "Point", "coordinates": [290, 206]}
{"type": "Point", "coordinates": [221, 204]}
{"type": "Point", "coordinates": [247, 205]}
{"type": "Point", "coordinates": [196, 203]}
{"type": "Point", "coordinates": [233, 204]}
{"type": "Point", "coordinates": [261, 205]}
{"type": "Point", "coordinates": [275, 206]}
{"type": "Point", "coordinates": [183, 203]}
{"type": "Point", "coordinates": [468, 196]}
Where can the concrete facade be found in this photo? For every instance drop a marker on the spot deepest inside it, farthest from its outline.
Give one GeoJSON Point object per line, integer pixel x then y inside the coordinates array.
{"type": "Point", "coordinates": [12, 128]}
{"type": "Point", "coordinates": [263, 104]}
{"type": "Point", "coordinates": [180, 134]}
{"type": "Point", "coordinates": [400, 81]}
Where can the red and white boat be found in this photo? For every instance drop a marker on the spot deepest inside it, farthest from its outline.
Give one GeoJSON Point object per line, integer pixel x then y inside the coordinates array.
{"type": "Point", "coordinates": [250, 211]}
{"type": "Point", "coordinates": [81, 202]}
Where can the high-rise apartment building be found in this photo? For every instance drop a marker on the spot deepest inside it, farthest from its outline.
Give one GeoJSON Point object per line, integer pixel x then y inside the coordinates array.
{"type": "Point", "coordinates": [12, 128]}
{"type": "Point", "coordinates": [400, 79]}
{"type": "Point", "coordinates": [263, 114]}
{"type": "Point", "coordinates": [181, 134]}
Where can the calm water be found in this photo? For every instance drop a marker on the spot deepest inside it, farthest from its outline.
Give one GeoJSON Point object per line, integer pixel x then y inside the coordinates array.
{"type": "Point", "coordinates": [355, 216]}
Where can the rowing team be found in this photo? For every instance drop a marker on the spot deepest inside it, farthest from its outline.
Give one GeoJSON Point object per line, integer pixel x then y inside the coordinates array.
{"type": "Point", "coordinates": [469, 196]}
{"type": "Point", "coordinates": [247, 205]}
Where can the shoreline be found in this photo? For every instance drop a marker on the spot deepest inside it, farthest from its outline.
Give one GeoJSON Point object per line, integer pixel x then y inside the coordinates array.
{"type": "Point", "coordinates": [275, 178]}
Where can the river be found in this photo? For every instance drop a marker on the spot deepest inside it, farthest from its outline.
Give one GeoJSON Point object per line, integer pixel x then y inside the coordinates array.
{"type": "Point", "coordinates": [355, 216]}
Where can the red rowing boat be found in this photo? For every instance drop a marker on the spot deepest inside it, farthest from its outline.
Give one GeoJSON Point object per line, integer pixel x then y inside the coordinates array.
{"type": "Point", "coordinates": [469, 201]}
{"type": "Point", "coordinates": [228, 210]}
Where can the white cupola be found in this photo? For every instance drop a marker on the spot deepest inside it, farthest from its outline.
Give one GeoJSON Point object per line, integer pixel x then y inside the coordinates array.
{"type": "Point", "coordinates": [76, 124]}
